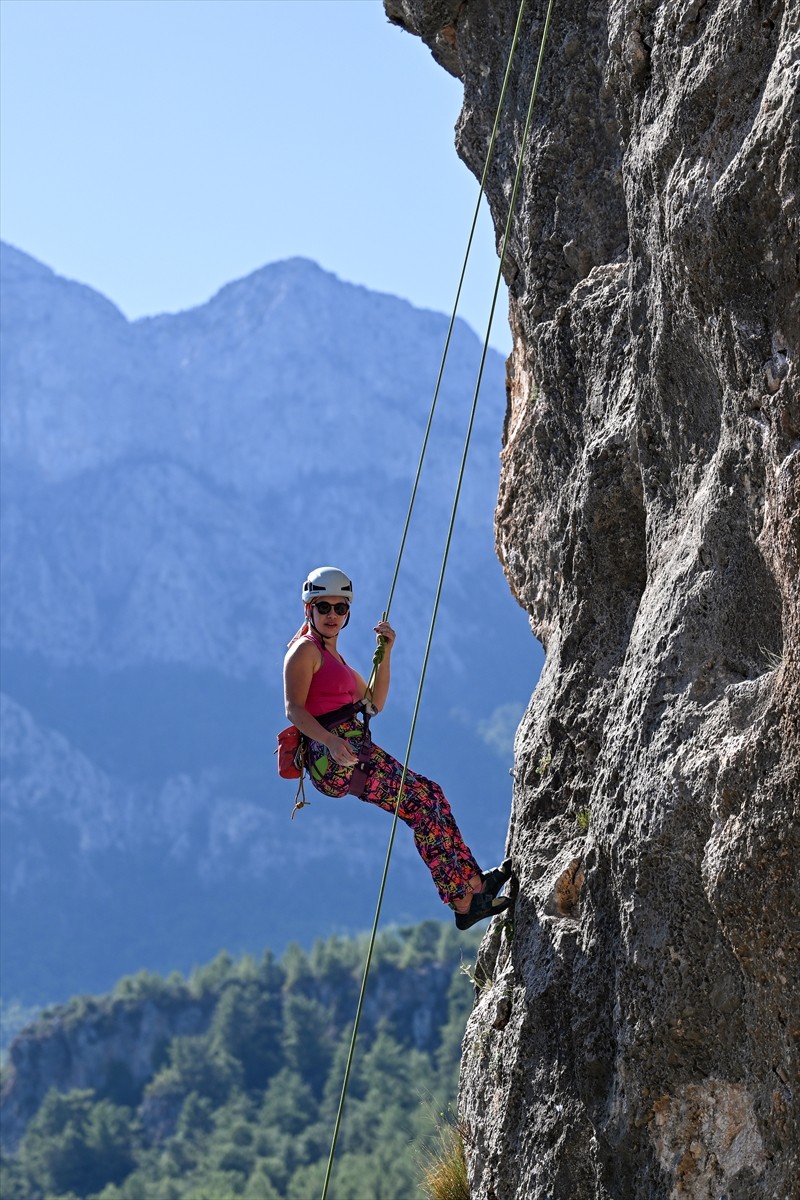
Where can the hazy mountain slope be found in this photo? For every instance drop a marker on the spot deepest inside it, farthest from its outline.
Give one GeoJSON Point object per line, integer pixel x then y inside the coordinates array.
{"type": "Point", "coordinates": [165, 486]}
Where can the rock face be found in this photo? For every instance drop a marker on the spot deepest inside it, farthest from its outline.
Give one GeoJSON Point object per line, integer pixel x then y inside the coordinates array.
{"type": "Point", "coordinates": [636, 1039]}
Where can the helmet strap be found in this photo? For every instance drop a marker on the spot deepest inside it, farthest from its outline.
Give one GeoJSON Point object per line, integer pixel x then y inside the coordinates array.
{"type": "Point", "coordinates": [325, 637]}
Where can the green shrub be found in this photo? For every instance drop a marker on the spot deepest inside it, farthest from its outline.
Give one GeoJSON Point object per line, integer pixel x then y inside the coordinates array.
{"type": "Point", "coordinates": [75, 1144]}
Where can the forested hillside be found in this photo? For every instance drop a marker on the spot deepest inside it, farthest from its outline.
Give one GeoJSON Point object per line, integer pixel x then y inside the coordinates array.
{"type": "Point", "coordinates": [226, 1083]}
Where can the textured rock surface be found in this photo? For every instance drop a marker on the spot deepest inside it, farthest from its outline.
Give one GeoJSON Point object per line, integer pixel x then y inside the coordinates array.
{"type": "Point", "coordinates": [637, 1037]}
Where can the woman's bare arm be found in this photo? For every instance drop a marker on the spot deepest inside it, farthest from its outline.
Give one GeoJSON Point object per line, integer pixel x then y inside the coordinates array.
{"type": "Point", "coordinates": [299, 666]}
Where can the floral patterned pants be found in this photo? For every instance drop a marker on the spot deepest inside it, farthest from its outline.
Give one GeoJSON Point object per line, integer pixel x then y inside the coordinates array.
{"type": "Point", "coordinates": [423, 807]}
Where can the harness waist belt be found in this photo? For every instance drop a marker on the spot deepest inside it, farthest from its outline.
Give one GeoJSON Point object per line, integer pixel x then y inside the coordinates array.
{"type": "Point", "coordinates": [361, 770]}
{"type": "Point", "coordinates": [328, 720]}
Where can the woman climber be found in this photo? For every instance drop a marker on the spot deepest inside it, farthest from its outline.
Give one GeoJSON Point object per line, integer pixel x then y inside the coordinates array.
{"type": "Point", "coordinates": [323, 695]}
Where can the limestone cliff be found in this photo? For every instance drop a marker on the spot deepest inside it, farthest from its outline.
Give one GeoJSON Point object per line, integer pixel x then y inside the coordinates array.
{"type": "Point", "coordinates": [112, 1046]}
{"type": "Point", "coordinates": [117, 1045]}
{"type": "Point", "coordinates": [636, 1038]}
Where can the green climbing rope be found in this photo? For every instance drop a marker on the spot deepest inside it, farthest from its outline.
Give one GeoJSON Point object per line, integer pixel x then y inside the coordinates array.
{"type": "Point", "coordinates": [378, 656]}
{"type": "Point", "coordinates": [457, 496]}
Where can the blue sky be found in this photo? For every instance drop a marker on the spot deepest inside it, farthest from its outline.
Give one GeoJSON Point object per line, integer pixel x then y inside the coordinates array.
{"type": "Point", "coordinates": [157, 149]}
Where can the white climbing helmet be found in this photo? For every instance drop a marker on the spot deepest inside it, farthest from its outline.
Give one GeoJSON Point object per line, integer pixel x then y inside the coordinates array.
{"type": "Point", "coordinates": [327, 581]}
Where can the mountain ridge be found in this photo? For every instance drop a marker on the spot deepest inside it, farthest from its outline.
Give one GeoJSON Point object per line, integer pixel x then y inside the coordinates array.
{"type": "Point", "coordinates": [166, 484]}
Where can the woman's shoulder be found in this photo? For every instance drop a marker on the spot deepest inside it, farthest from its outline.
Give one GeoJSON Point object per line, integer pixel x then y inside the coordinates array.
{"type": "Point", "coordinates": [304, 648]}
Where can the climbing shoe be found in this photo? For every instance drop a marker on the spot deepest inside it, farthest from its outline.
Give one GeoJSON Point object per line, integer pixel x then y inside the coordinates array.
{"type": "Point", "coordinates": [493, 880]}
{"type": "Point", "coordinates": [483, 905]}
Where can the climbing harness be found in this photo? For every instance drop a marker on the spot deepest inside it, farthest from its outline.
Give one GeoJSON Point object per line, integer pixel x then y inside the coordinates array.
{"type": "Point", "coordinates": [294, 760]}
{"type": "Point", "coordinates": [361, 772]}
{"type": "Point", "coordinates": [379, 650]}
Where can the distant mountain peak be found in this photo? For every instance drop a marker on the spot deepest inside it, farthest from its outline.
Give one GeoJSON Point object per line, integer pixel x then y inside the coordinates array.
{"type": "Point", "coordinates": [20, 269]}
{"type": "Point", "coordinates": [297, 274]}
{"type": "Point", "coordinates": [16, 264]}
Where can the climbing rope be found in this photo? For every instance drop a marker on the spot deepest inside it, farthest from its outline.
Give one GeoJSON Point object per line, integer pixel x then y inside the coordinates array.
{"type": "Point", "coordinates": [457, 496]}
{"type": "Point", "coordinates": [378, 655]}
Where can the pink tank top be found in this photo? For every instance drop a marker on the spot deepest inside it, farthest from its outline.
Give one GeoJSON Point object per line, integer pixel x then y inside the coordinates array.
{"type": "Point", "coordinates": [334, 684]}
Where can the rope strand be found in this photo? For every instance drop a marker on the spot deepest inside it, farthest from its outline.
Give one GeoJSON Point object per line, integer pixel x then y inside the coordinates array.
{"type": "Point", "coordinates": [442, 571]}
{"type": "Point", "coordinates": [451, 326]}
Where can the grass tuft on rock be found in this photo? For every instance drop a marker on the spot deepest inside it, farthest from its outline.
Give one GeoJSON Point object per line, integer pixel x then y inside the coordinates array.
{"type": "Point", "coordinates": [444, 1168]}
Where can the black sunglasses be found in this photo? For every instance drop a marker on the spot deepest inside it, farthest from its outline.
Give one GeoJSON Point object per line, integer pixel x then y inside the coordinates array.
{"type": "Point", "coordinates": [323, 607]}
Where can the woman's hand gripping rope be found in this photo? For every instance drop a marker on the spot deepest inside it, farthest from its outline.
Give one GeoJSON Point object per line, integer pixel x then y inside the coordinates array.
{"type": "Point", "coordinates": [378, 684]}
{"type": "Point", "coordinates": [386, 636]}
